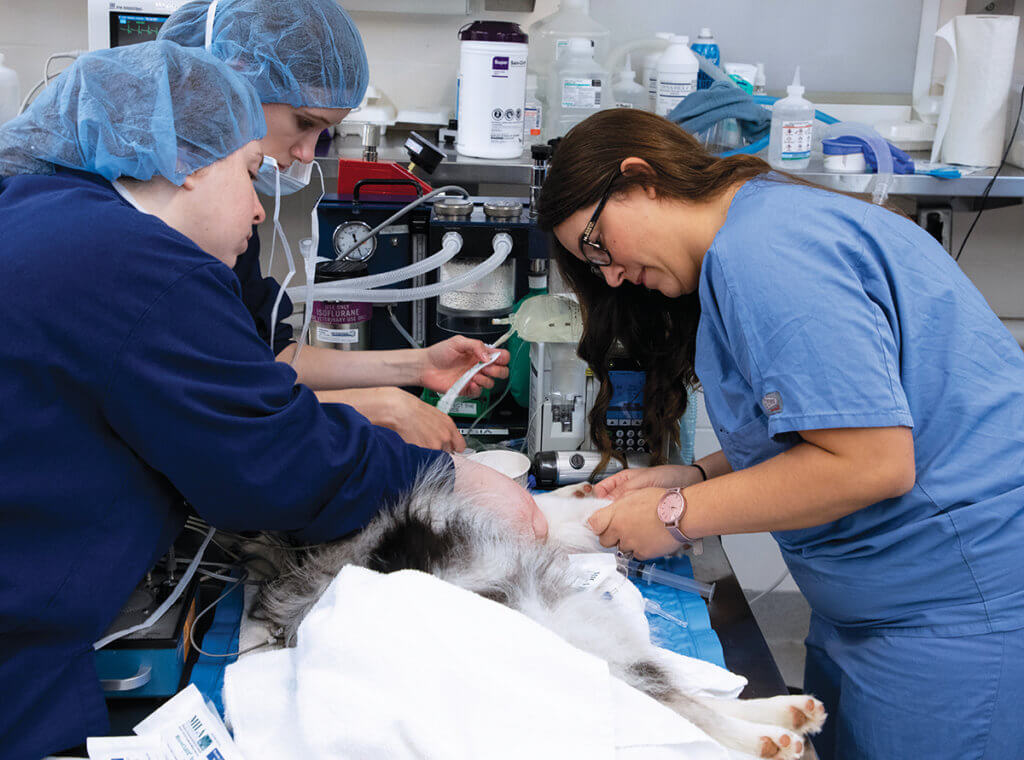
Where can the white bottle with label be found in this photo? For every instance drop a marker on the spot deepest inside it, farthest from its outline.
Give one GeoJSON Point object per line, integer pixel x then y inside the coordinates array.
{"type": "Point", "coordinates": [10, 92]}
{"type": "Point", "coordinates": [549, 38]}
{"type": "Point", "coordinates": [580, 88]}
{"type": "Point", "coordinates": [789, 142]}
{"type": "Point", "coordinates": [649, 77]}
{"type": "Point", "coordinates": [533, 113]}
{"type": "Point", "coordinates": [677, 74]}
{"type": "Point", "coordinates": [628, 92]}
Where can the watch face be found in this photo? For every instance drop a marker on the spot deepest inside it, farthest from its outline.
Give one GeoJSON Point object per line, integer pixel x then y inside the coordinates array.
{"type": "Point", "coordinates": [670, 507]}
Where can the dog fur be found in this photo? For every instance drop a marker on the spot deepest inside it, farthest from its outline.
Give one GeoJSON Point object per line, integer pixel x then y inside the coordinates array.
{"type": "Point", "coordinates": [453, 537]}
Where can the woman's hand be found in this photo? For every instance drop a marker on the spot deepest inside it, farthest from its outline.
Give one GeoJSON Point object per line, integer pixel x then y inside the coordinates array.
{"type": "Point", "coordinates": [633, 524]}
{"type": "Point", "coordinates": [445, 362]}
{"type": "Point", "coordinates": [417, 422]}
{"type": "Point", "coordinates": [500, 493]}
{"type": "Point", "coordinates": [665, 476]}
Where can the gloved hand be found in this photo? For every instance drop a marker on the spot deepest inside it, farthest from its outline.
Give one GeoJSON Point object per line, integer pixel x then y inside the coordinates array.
{"type": "Point", "coordinates": [417, 422]}
{"type": "Point", "coordinates": [444, 363]}
{"type": "Point", "coordinates": [664, 476]}
{"type": "Point", "coordinates": [500, 493]}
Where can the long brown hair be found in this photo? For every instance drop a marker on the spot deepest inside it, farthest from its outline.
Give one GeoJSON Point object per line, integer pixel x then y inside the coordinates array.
{"type": "Point", "coordinates": [657, 331]}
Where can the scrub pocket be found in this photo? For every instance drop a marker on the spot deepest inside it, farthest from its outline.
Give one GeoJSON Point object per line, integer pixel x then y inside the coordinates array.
{"type": "Point", "coordinates": [751, 444]}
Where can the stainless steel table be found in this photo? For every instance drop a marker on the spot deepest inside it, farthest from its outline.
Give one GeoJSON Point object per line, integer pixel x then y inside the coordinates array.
{"type": "Point", "coordinates": [461, 170]}
{"type": "Point", "coordinates": [745, 649]}
{"type": "Point", "coordinates": [746, 652]}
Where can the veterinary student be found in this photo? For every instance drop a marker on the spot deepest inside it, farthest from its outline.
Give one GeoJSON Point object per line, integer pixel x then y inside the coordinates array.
{"type": "Point", "coordinates": [133, 378]}
{"type": "Point", "coordinates": [869, 405]}
{"type": "Point", "coordinates": [306, 60]}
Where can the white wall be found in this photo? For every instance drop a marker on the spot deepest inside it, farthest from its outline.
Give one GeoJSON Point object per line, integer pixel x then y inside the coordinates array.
{"type": "Point", "coordinates": [866, 46]}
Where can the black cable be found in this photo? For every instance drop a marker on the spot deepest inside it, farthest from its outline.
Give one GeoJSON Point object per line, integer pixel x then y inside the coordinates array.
{"type": "Point", "coordinates": [988, 187]}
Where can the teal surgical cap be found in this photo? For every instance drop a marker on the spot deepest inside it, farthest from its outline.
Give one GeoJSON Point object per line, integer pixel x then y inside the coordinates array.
{"type": "Point", "coordinates": [298, 52]}
{"type": "Point", "coordinates": [136, 111]}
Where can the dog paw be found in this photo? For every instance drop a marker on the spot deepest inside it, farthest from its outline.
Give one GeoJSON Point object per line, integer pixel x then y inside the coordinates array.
{"type": "Point", "coordinates": [807, 715]}
{"type": "Point", "coordinates": [782, 745]}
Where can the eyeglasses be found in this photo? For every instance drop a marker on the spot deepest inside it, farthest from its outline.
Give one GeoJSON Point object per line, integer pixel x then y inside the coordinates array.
{"type": "Point", "coordinates": [595, 253]}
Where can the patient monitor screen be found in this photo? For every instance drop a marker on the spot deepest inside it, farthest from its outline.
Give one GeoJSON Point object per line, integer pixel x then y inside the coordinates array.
{"type": "Point", "coordinates": [129, 28]}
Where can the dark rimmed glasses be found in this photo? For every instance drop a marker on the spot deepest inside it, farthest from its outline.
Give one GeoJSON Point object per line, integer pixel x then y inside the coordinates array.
{"type": "Point", "coordinates": [596, 254]}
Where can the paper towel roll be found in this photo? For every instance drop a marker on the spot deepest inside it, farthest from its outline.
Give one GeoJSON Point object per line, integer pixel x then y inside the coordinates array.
{"type": "Point", "coordinates": [972, 124]}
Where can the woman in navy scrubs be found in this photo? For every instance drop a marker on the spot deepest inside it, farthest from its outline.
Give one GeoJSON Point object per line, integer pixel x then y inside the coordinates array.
{"type": "Point", "coordinates": [870, 408]}
{"type": "Point", "coordinates": [305, 59]}
{"type": "Point", "coordinates": [133, 378]}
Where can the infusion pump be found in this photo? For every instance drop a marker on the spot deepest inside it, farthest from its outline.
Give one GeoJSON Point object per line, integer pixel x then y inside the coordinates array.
{"type": "Point", "coordinates": [114, 23]}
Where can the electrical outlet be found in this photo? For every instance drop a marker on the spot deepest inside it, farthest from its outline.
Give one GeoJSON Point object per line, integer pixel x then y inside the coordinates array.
{"type": "Point", "coordinates": [937, 221]}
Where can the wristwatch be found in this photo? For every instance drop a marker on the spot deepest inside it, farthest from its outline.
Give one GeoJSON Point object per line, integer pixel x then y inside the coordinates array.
{"type": "Point", "coordinates": [671, 508]}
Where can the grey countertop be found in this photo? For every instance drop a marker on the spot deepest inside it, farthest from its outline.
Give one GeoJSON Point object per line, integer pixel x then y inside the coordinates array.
{"type": "Point", "coordinates": [456, 169]}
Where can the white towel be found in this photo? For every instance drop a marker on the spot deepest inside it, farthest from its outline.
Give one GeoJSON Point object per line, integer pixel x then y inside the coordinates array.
{"type": "Point", "coordinates": [407, 666]}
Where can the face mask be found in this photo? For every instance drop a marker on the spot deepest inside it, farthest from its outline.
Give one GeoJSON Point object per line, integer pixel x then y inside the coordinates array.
{"type": "Point", "coordinates": [123, 192]}
{"type": "Point", "coordinates": [292, 180]}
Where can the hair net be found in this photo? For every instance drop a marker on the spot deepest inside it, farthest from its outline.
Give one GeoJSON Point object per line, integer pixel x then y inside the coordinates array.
{"type": "Point", "coordinates": [135, 111]}
{"type": "Point", "coordinates": [299, 52]}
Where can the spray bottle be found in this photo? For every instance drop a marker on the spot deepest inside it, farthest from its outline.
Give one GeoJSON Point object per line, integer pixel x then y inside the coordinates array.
{"type": "Point", "coordinates": [789, 142]}
{"type": "Point", "coordinates": [707, 47]}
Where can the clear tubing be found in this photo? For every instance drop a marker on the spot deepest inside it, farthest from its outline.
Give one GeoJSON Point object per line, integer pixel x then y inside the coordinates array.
{"type": "Point", "coordinates": [335, 291]}
{"type": "Point", "coordinates": [883, 157]}
{"type": "Point", "coordinates": [402, 212]}
{"type": "Point", "coordinates": [451, 244]}
{"type": "Point", "coordinates": [649, 573]}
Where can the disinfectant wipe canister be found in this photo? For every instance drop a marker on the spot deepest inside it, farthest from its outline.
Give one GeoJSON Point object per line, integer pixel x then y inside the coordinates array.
{"type": "Point", "coordinates": [492, 89]}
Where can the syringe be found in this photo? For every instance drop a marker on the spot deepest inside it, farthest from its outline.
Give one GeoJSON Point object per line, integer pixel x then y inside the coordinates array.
{"type": "Point", "coordinates": [652, 574]}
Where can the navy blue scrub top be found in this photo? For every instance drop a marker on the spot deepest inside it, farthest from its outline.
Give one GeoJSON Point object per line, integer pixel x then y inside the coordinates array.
{"type": "Point", "coordinates": [258, 294]}
{"type": "Point", "coordinates": [131, 376]}
{"type": "Point", "coordinates": [821, 311]}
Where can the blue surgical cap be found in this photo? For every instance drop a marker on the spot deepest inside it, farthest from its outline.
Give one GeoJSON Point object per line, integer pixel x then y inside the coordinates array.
{"type": "Point", "coordinates": [299, 52]}
{"type": "Point", "coordinates": [136, 111]}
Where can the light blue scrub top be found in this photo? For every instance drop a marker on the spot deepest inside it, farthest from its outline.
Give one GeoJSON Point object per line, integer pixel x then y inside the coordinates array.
{"type": "Point", "coordinates": [822, 311]}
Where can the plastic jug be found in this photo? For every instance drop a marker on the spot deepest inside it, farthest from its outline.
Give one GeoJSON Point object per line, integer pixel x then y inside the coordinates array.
{"type": "Point", "coordinates": [549, 38]}
{"type": "Point", "coordinates": [649, 74]}
{"type": "Point", "coordinates": [10, 92]}
{"type": "Point", "coordinates": [628, 92]}
{"type": "Point", "coordinates": [580, 87]}
{"type": "Point", "coordinates": [677, 74]}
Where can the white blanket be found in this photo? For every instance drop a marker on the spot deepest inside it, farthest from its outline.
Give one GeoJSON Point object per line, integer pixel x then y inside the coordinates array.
{"type": "Point", "coordinates": [406, 666]}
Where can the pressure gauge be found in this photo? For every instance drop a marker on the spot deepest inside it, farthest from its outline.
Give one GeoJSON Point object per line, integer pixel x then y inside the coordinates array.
{"type": "Point", "coordinates": [349, 233]}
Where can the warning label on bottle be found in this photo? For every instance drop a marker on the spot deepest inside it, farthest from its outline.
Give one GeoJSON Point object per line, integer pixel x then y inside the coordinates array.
{"type": "Point", "coordinates": [581, 93]}
{"type": "Point", "coordinates": [506, 124]}
{"type": "Point", "coordinates": [796, 140]}
{"type": "Point", "coordinates": [341, 312]}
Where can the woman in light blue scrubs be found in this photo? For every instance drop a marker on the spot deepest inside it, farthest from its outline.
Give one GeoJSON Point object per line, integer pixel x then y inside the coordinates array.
{"type": "Point", "coordinates": [869, 405]}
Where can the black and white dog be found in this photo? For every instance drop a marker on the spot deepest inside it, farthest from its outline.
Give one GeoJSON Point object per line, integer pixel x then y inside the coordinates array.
{"type": "Point", "coordinates": [452, 537]}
